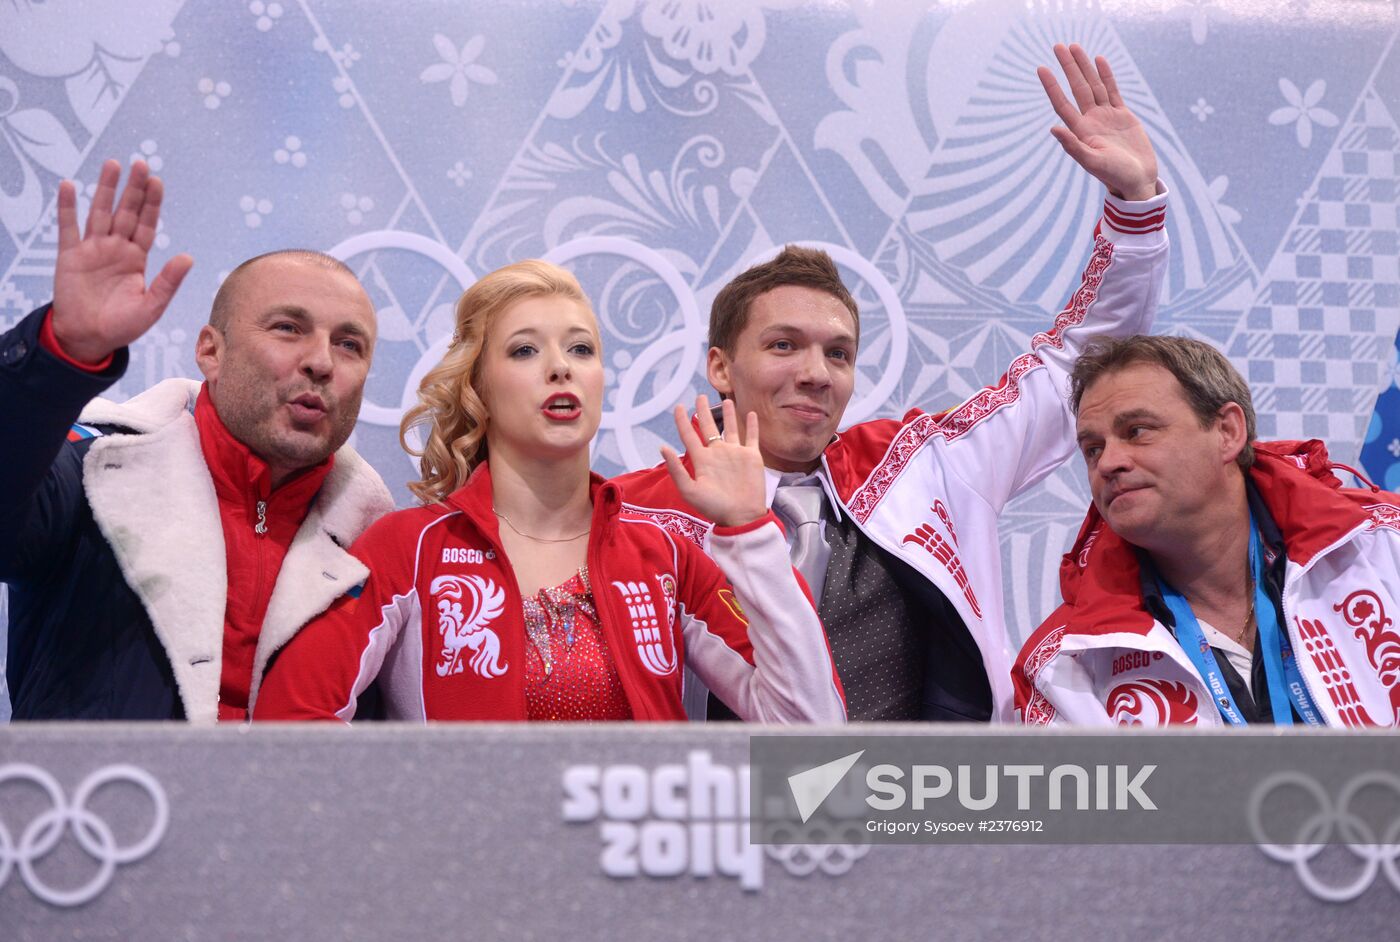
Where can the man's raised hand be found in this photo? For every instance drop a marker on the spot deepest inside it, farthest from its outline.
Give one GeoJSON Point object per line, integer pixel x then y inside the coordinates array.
{"type": "Point", "coordinates": [728, 485]}
{"type": "Point", "coordinates": [100, 299]}
{"type": "Point", "coordinates": [1100, 132]}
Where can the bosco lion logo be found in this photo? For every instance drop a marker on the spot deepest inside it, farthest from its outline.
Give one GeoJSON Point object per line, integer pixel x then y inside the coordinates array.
{"type": "Point", "coordinates": [1152, 702]}
{"type": "Point", "coordinates": [465, 627]}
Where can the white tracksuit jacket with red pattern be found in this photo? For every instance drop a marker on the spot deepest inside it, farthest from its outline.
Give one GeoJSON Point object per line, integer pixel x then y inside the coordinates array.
{"type": "Point", "coordinates": [1102, 659]}
{"type": "Point", "coordinates": [440, 623]}
{"type": "Point", "coordinates": [930, 487]}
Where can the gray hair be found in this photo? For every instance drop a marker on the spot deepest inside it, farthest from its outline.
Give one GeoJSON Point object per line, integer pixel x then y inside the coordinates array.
{"type": "Point", "coordinates": [1208, 379]}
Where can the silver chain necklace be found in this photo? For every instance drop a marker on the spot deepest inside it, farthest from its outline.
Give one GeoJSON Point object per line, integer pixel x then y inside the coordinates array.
{"type": "Point", "coordinates": [539, 539]}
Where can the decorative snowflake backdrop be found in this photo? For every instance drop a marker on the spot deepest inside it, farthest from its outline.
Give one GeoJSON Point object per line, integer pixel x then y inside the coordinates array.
{"type": "Point", "coordinates": [657, 147]}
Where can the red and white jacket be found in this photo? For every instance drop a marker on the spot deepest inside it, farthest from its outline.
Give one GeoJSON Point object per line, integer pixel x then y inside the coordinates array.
{"type": "Point", "coordinates": [929, 488]}
{"type": "Point", "coordinates": [440, 623]}
{"type": "Point", "coordinates": [1103, 659]}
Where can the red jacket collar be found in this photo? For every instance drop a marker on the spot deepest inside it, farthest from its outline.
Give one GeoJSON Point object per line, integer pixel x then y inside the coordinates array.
{"type": "Point", "coordinates": [241, 476]}
{"type": "Point", "coordinates": [1100, 576]}
{"type": "Point", "coordinates": [474, 500]}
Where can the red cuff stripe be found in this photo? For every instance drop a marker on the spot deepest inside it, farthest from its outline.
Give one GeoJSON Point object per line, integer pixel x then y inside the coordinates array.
{"type": "Point", "coordinates": [49, 341]}
{"type": "Point", "coordinates": [747, 527]}
{"type": "Point", "coordinates": [1146, 212]}
{"type": "Point", "coordinates": [1150, 223]}
{"type": "Point", "coordinates": [1147, 220]}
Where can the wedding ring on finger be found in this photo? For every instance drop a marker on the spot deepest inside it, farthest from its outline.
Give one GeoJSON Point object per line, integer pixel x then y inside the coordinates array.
{"type": "Point", "coordinates": [713, 438]}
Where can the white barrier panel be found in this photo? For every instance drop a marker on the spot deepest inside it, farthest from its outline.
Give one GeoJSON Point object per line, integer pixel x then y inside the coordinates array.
{"type": "Point", "coordinates": [452, 832]}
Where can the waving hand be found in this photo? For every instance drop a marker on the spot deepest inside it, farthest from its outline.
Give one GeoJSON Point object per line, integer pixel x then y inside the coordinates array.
{"type": "Point", "coordinates": [101, 301]}
{"type": "Point", "coordinates": [1099, 131]}
{"type": "Point", "coordinates": [728, 483]}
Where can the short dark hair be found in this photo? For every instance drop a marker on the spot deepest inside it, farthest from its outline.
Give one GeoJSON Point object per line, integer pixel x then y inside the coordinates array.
{"type": "Point", "coordinates": [222, 308]}
{"type": "Point", "coordinates": [1209, 380]}
{"type": "Point", "coordinates": [794, 265]}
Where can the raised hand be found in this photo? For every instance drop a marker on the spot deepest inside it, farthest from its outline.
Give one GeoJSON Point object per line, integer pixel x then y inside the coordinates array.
{"type": "Point", "coordinates": [1099, 131]}
{"type": "Point", "coordinates": [728, 483]}
{"type": "Point", "coordinates": [100, 299]}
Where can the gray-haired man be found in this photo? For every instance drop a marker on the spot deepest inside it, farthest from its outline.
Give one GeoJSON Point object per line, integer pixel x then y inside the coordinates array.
{"type": "Point", "coordinates": [1216, 579]}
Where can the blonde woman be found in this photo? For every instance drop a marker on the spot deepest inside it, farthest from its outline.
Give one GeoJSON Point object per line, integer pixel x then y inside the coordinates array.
{"type": "Point", "coordinates": [523, 588]}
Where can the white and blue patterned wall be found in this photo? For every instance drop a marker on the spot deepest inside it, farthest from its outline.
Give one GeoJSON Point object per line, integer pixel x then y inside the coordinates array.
{"type": "Point", "coordinates": [659, 146]}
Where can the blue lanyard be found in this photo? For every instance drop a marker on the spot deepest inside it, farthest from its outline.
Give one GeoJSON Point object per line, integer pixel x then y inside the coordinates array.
{"type": "Point", "coordinates": [1280, 666]}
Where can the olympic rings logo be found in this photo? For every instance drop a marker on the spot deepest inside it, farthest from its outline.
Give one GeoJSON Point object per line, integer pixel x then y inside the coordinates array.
{"type": "Point", "coordinates": [832, 859]}
{"type": "Point", "coordinates": [1378, 852]}
{"type": "Point", "coordinates": [94, 834]}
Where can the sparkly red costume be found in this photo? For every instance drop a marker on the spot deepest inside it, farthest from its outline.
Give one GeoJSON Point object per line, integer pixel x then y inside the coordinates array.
{"type": "Point", "coordinates": [569, 673]}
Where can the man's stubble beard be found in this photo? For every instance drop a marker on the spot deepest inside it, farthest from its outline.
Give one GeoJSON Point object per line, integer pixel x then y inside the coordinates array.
{"type": "Point", "coordinates": [249, 409]}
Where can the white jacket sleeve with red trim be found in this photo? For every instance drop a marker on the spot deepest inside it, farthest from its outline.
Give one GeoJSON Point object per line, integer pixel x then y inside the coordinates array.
{"type": "Point", "coordinates": [1020, 430]}
{"type": "Point", "coordinates": [942, 481]}
{"type": "Point", "coordinates": [1061, 693]}
{"type": "Point", "coordinates": [755, 638]}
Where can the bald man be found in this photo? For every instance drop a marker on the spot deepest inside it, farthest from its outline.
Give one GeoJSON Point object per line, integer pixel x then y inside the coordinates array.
{"type": "Point", "coordinates": [158, 552]}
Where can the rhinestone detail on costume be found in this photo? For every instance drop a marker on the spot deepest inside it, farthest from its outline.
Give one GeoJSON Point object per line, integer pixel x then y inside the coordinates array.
{"type": "Point", "coordinates": [569, 673]}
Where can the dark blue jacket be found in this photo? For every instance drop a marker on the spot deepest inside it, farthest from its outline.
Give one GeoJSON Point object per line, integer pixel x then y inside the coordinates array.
{"type": "Point", "coordinates": [67, 594]}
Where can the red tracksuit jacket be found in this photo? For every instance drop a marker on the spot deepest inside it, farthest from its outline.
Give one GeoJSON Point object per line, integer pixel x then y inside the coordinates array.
{"type": "Point", "coordinates": [439, 621]}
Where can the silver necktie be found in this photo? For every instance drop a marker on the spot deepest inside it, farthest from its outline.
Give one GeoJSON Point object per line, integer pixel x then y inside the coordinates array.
{"type": "Point", "coordinates": [800, 507]}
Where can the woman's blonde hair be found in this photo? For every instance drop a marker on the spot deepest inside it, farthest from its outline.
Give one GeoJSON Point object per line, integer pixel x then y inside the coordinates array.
{"type": "Point", "coordinates": [449, 401]}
